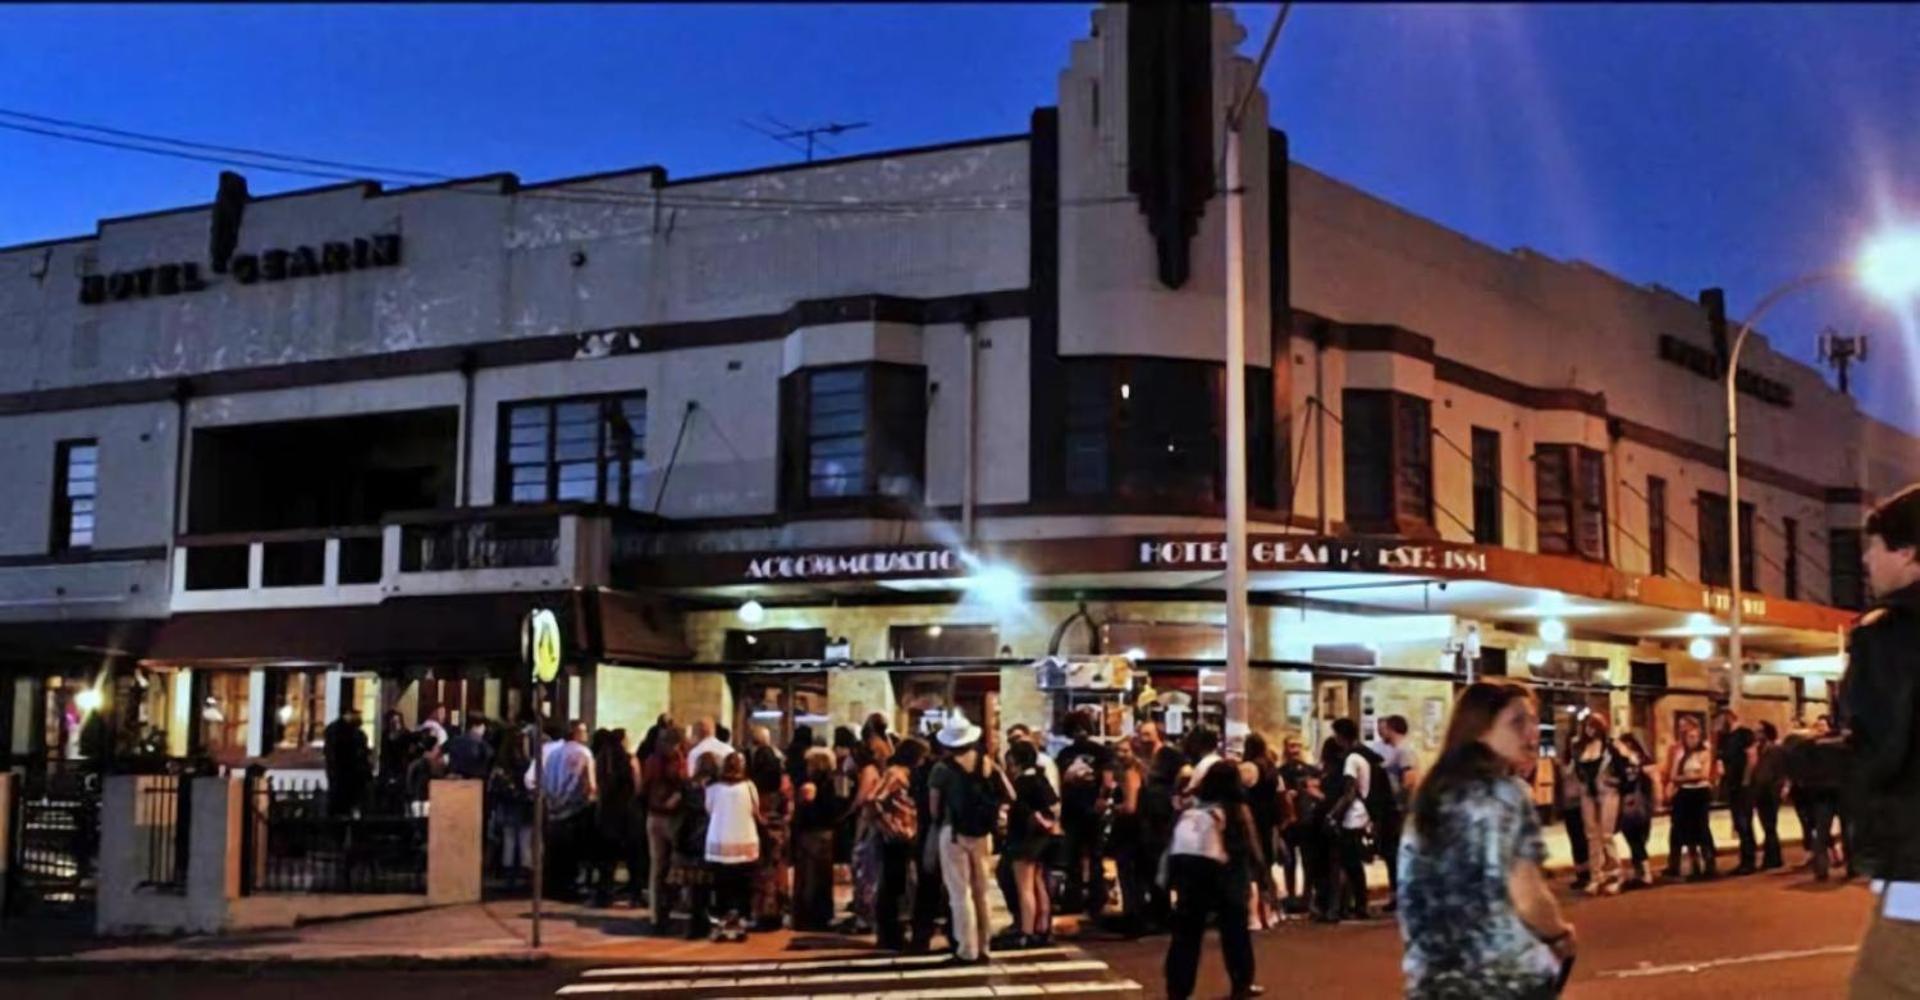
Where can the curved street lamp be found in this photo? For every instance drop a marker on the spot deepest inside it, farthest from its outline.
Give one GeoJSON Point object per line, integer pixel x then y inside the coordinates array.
{"type": "Point", "coordinates": [1888, 268]}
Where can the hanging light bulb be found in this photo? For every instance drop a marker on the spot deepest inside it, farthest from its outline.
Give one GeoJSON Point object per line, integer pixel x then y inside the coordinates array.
{"type": "Point", "coordinates": [752, 612]}
{"type": "Point", "coordinates": [1701, 648]}
{"type": "Point", "coordinates": [1553, 630]}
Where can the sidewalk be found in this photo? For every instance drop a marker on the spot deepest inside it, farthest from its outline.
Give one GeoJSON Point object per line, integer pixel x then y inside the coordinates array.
{"type": "Point", "coordinates": [498, 933]}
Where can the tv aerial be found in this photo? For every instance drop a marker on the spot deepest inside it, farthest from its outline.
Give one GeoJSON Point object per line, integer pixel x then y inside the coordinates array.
{"type": "Point", "coordinates": [801, 139]}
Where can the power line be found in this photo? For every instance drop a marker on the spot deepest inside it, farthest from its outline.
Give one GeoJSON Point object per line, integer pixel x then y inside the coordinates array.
{"type": "Point", "coordinates": [214, 147]}
{"type": "Point", "coordinates": [177, 154]}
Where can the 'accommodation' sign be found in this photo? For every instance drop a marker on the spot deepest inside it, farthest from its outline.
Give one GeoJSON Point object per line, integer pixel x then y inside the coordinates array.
{"type": "Point", "coordinates": [853, 565]}
{"type": "Point", "coordinates": [1338, 554]}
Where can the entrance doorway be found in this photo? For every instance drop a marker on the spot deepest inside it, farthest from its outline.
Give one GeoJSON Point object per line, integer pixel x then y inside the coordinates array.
{"type": "Point", "coordinates": [782, 702]}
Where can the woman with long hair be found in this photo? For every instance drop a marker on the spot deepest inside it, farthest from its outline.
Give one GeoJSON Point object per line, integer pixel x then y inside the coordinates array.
{"type": "Point", "coordinates": [893, 824]}
{"type": "Point", "coordinates": [613, 818]}
{"type": "Point", "coordinates": [691, 872]}
{"type": "Point", "coordinates": [1768, 778]}
{"type": "Point", "coordinates": [1033, 825]}
{"type": "Point", "coordinates": [1475, 911]}
{"type": "Point", "coordinates": [816, 816]}
{"type": "Point", "coordinates": [1639, 790]}
{"type": "Point", "coordinates": [1123, 840]}
{"type": "Point", "coordinates": [663, 785]}
{"type": "Point", "coordinates": [512, 805]}
{"type": "Point", "coordinates": [1213, 851]}
{"type": "Point", "coordinates": [870, 758]}
{"type": "Point", "coordinates": [1260, 773]}
{"type": "Point", "coordinates": [771, 897]}
{"type": "Point", "coordinates": [1596, 769]}
{"type": "Point", "coordinates": [1691, 774]}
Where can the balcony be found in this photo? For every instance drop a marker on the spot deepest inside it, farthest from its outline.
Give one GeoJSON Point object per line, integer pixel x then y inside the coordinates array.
{"type": "Point", "coordinates": [472, 550]}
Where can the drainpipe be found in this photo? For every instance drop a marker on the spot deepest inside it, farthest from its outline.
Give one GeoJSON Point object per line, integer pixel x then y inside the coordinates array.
{"type": "Point", "coordinates": [969, 476]}
{"type": "Point", "coordinates": [181, 393]}
{"type": "Point", "coordinates": [464, 461]}
{"type": "Point", "coordinates": [1320, 421]}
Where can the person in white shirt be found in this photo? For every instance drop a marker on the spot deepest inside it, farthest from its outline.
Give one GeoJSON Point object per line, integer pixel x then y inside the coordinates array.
{"type": "Point", "coordinates": [704, 743]}
{"type": "Point", "coordinates": [1401, 765]}
{"type": "Point", "coordinates": [1351, 808]}
{"type": "Point", "coordinates": [568, 788]}
{"type": "Point", "coordinates": [436, 724]}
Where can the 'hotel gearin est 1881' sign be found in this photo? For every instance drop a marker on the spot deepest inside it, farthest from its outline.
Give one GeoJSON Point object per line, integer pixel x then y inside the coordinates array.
{"type": "Point", "coordinates": [1336, 554]}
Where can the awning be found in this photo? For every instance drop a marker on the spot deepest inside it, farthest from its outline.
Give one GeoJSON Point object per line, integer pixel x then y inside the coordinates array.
{"type": "Point", "coordinates": [54, 644]}
{"type": "Point", "coordinates": [594, 625]}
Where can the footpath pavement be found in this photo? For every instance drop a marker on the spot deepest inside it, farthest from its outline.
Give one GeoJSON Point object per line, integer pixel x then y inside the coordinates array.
{"type": "Point", "coordinates": [499, 933]}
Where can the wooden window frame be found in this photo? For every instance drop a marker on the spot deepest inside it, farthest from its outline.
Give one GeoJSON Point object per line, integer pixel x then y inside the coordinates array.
{"type": "Point", "coordinates": [61, 533]}
{"type": "Point", "coordinates": [630, 462]}
{"type": "Point", "coordinates": [1715, 537]}
{"type": "Point", "coordinates": [882, 436]}
{"type": "Point", "coordinates": [1790, 566]}
{"type": "Point", "coordinates": [1657, 561]}
{"type": "Point", "coordinates": [1488, 508]}
{"type": "Point", "coordinates": [1582, 498]}
{"type": "Point", "coordinates": [1408, 463]}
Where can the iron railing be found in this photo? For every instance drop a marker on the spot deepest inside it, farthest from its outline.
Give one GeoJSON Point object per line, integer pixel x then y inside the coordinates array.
{"type": "Point", "coordinates": [165, 811]}
{"type": "Point", "coordinates": [492, 543]}
{"type": "Point", "coordinates": [294, 840]}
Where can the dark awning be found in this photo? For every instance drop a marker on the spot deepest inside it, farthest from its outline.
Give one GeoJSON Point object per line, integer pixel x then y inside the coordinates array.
{"type": "Point", "coordinates": [61, 643]}
{"type": "Point", "coordinates": [594, 625]}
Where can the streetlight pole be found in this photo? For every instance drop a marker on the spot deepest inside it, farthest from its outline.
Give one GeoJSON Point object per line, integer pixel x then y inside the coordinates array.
{"type": "Point", "coordinates": [1237, 679]}
{"type": "Point", "coordinates": [1736, 652]}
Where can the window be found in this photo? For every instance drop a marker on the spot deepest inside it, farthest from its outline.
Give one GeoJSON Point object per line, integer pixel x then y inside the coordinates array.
{"type": "Point", "coordinates": [75, 487]}
{"type": "Point", "coordinates": [1715, 543]}
{"type": "Point", "coordinates": [1388, 460]}
{"type": "Point", "coordinates": [1570, 496]}
{"type": "Point", "coordinates": [1486, 487]}
{"type": "Point", "coordinates": [590, 449]}
{"type": "Point", "coordinates": [1845, 557]}
{"type": "Point", "coordinates": [1656, 526]}
{"type": "Point", "coordinates": [297, 707]}
{"type": "Point", "coordinates": [942, 642]}
{"type": "Point", "coordinates": [1150, 429]}
{"type": "Point", "coordinates": [854, 432]}
{"type": "Point", "coordinates": [786, 644]}
{"type": "Point", "coordinates": [1790, 528]}
{"type": "Point", "coordinates": [224, 705]}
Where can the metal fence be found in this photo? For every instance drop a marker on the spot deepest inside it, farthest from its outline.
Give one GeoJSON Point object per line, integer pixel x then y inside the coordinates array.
{"type": "Point", "coordinates": [57, 842]}
{"type": "Point", "coordinates": [292, 842]}
{"type": "Point", "coordinates": [165, 811]}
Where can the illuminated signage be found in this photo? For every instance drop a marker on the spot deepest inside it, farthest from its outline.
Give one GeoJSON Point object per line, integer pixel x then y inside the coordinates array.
{"type": "Point", "coordinates": [1336, 554]}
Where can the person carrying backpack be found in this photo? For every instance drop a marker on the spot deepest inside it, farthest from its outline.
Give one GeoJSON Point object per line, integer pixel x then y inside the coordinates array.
{"type": "Point", "coordinates": [964, 796]}
{"type": "Point", "coordinates": [1085, 776]}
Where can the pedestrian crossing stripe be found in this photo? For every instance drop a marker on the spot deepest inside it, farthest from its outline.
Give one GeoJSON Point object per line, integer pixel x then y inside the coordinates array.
{"type": "Point", "coordinates": [758, 982]}
{"type": "Point", "coordinates": [1064, 971]}
{"type": "Point", "coordinates": [807, 965]}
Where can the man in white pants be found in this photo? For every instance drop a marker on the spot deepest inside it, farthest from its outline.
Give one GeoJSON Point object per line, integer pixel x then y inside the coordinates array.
{"type": "Point", "coordinates": [964, 796]}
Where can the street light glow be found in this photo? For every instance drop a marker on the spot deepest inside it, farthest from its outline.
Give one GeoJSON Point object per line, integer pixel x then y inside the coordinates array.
{"type": "Point", "coordinates": [998, 586]}
{"type": "Point", "coordinates": [1889, 266]}
{"type": "Point", "coordinates": [87, 700]}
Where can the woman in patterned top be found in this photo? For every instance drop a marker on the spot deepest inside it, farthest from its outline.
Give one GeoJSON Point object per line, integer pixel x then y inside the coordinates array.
{"type": "Point", "coordinates": [1475, 912]}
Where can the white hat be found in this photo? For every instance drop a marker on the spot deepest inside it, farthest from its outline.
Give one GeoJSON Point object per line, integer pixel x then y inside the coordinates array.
{"type": "Point", "coordinates": [958, 733]}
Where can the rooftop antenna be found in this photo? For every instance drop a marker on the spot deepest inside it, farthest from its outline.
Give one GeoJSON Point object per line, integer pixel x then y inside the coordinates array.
{"type": "Point", "coordinates": [801, 139]}
{"type": "Point", "coordinates": [1840, 352]}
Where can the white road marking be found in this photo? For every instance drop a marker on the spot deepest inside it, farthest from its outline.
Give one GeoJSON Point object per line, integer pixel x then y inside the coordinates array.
{"type": "Point", "coordinates": [810, 965]}
{"type": "Point", "coordinates": [752, 982]}
{"type": "Point", "coordinates": [982, 992]}
{"type": "Point", "coordinates": [1717, 963]}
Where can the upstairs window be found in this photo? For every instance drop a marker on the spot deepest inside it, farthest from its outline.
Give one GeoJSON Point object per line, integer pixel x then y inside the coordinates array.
{"type": "Point", "coordinates": [1388, 461]}
{"type": "Point", "coordinates": [854, 432]}
{"type": "Point", "coordinates": [1487, 529]}
{"type": "Point", "coordinates": [75, 488]}
{"type": "Point", "coordinates": [1149, 429]}
{"type": "Point", "coordinates": [1846, 562]}
{"type": "Point", "coordinates": [1790, 528]}
{"type": "Point", "coordinates": [1716, 543]}
{"type": "Point", "coordinates": [1570, 497]}
{"type": "Point", "coordinates": [588, 449]}
{"type": "Point", "coordinates": [1656, 526]}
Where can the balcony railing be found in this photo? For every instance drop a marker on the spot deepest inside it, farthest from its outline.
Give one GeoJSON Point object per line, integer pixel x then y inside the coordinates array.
{"type": "Point", "coordinates": [437, 552]}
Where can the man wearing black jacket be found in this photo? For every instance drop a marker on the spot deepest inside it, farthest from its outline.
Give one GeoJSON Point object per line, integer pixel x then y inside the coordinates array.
{"type": "Point", "coordinates": [1880, 700]}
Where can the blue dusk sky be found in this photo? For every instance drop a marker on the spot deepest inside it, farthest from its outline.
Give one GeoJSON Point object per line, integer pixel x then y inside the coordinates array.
{"type": "Point", "coordinates": [1689, 145]}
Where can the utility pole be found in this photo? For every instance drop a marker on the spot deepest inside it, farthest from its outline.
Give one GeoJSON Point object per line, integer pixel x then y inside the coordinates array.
{"type": "Point", "coordinates": [1238, 679]}
{"type": "Point", "coordinates": [802, 139]}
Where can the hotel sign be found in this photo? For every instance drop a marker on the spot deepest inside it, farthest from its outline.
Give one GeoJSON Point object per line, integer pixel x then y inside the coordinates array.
{"type": "Point", "coordinates": [175, 278]}
{"type": "Point", "coordinates": [1351, 555]}
{"type": "Point", "coordinates": [856, 565]}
